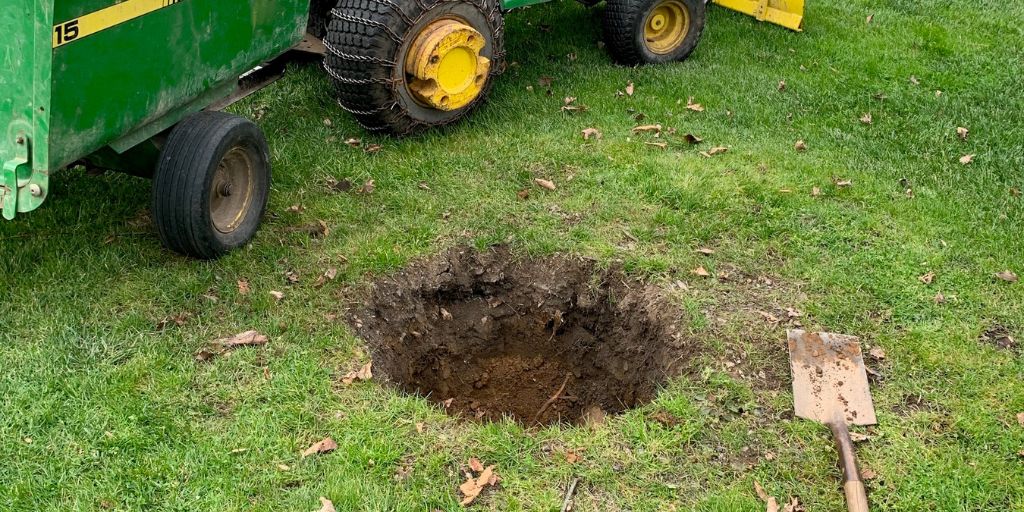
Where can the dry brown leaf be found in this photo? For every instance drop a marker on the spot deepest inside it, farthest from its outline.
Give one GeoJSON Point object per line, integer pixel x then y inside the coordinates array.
{"type": "Point", "coordinates": [242, 339]}
{"type": "Point", "coordinates": [793, 505]}
{"type": "Point", "coordinates": [800, 145]}
{"type": "Point", "coordinates": [339, 186]}
{"type": "Point", "coordinates": [327, 122]}
{"type": "Point", "coordinates": [1020, 418]}
{"type": "Point", "coordinates": [325, 445]}
{"type": "Point", "coordinates": [572, 457]}
{"type": "Point", "coordinates": [647, 128]}
{"type": "Point", "coordinates": [473, 486]}
{"type": "Point", "coordinates": [445, 314]}
{"type": "Point", "coordinates": [630, 88]}
{"type": "Point", "coordinates": [927, 278]}
{"type": "Point", "coordinates": [326, 505]}
{"type": "Point", "coordinates": [368, 187]}
{"type": "Point", "coordinates": [419, 427]}
{"type": "Point", "coordinates": [696, 107]}
{"type": "Point", "coordinates": [1007, 275]}
{"type": "Point", "coordinates": [866, 118]}
{"type": "Point", "coordinates": [1014, 191]}
{"type": "Point", "coordinates": [448, 403]}
{"type": "Point", "coordinates": [423, 185]}
{"type": "Point", "coordinates": [543, 183]}
{"type": "Point", "coordinates": [717, 150]}
{"type": "Point", "coordinates": [363, 373]}
{"type": "Point", "coordinates": [966, 159]}
{"type": "Point", "coordinates": [841, 183]}
{"type": "Point", "coordinates": [475, 465]}
{"type": "Point", "coordinates": [868, 474]}
{"type": "Point", "coordinates": [869, 19]}
{"type": "Point", "coordinates": [591, 132]}
{"type": "Point", "coordinates": [523, 194]}
{"type": "Point", "coordinates": [243, 287]}
{"type": "Point", "coordinates": [772, 319]}
{"type": "Point", "coordinates": [701, 271]}
{"type": "Point", "coordinates": [939, 298]}
{"type": "Point", "coordinates": [353, 142]}
{"type": "Point", "coordinates": [692, 139]}
{"type": "Point", "coordinates": [815, 191]}
{"type": "Point", "coordinates": [771, 505]}
{"type": "Point", "coordinates": [707, 251]}
{"type": "Point", "coordinates": [661, 145]}
{"type": "Point", "coordinates": [962, 132]}
{"type": "Point", "coordinates": [782, 85]}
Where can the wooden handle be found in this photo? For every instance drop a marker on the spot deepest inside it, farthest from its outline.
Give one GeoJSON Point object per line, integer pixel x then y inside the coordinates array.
{"type": "Point", "coordinates": [856, 497]}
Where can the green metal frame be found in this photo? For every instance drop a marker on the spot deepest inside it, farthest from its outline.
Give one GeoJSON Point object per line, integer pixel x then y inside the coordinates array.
{"type": "Point", "coordinates": [120, 86]}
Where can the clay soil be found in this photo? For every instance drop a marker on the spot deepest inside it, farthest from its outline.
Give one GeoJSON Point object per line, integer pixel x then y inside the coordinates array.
{"type": "Point", "coordinates": [541, 341]}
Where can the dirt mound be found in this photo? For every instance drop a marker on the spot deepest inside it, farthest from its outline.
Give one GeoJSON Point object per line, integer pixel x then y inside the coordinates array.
{"type": "Point", "coordinates": [545, 340]}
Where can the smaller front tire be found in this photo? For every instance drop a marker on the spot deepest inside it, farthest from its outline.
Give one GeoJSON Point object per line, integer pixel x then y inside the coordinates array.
{"type": "Point", "coordinates": [653, 31]}
{"type": "Point", "coordinates": [211, 185]}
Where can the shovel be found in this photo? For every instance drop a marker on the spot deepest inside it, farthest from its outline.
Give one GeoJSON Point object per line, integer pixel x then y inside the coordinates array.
{"type": "Point", "coordinates": [830, 386]}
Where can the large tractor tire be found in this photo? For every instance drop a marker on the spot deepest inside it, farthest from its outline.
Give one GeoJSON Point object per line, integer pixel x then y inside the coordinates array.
{"type": "Point", "coordinates": [211, 184]}
{"type": "Point", "coordinates": [406, 65]}
{"type": "Point", "coordinates": [653, 31]}
{"type": "Point", "coordinates": [319, 16]}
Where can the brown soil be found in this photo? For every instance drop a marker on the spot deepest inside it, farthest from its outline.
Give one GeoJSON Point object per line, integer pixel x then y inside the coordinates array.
{"type": "Point", "coordinates": [545, 340]}
{"type": "Point", "coordinates": [998, 336]}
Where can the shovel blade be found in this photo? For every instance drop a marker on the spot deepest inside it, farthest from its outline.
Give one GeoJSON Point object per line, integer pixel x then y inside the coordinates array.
{"type": "Point", "coordinates": [829, 380]}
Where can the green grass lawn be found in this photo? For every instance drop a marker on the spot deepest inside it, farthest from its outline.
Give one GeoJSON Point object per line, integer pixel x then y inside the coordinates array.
{"type": "Point", "coordinates": [101, 408]}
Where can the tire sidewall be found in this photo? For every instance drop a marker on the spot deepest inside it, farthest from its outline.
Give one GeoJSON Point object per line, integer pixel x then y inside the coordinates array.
{"type": "Point", "coordinates": [696, 10]}
{"type": "Point", "coordinates": [465, 11]}
{"type": "Point", "coordinates": [246, 135]}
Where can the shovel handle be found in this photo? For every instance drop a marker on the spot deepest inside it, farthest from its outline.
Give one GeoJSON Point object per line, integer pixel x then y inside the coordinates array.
{"type": "Point", "coordinates": [856, 496]}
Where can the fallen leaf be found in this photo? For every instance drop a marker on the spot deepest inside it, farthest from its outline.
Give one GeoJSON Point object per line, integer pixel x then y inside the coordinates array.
{"type": "Point", "coordinates": [473, 486]}
{"type": "Point", "coordinates": [869, 19]}
{"type": "Point", "coordinates": [475, 465]}
{"type": "Point", "coordinates": [939, 298]}
{"type": "Point", "coordinates": [692, 139]}
{"type": "Point", "coordinates": [545, 81]}
{"type": "Point", "coordinates": [326, 505]}
{"type": "Point", "coordinates": [841, 183]}
{"type": "Point", "coordinates": [445, 315]}
{"type": "Point", "coordinates": [629, 88]}
{"type": "Point", "coordinates": [543, 183]}
{"type": "Point", "coordinates": [1020, 418]}
{"type": "Point", "coordinates": [243, 287]}
{"type": "Point", "coordinates": [1014, 191]}
{"type": "Point", "coordinates": [717, 150]}
{"type": "Point", "coordinates": [962, 132]}
{"type": "Point", "coordinates": [1007, 275]}
{"type": "Point", "coordinates": [793, 505]}
{"type": "Point", "coordinates": [868, 474]}
{"type": "Point", "coordinates": [696, 107]}
{"type": "Point", "coordinates": [291, 276]}
{"type": "Point", "coordinates": [793, 313]}
{"type": "Point", "coordinates": [419, 427]}
{"type": "Point", "coordinates": [706, 251]}
{"type": "Point", "coordinates": [647, 128]}
{"type": "Point", "coordinates": [363, 373]}
{"type": "Point", "coordinates": [771, 505]}
{"type": "Point", "coordinates": [815, 191]}
{"type": "Point", "coordinates": [523, 194]}
{"type": "Point", "coordinates": [327, 122]}
{"type": "Point", "coordinates": [661, 145]}
{"type": "Point", "coordinates": [328, 275]}
{"type": "Point", "coordinates": [914, 80]}
{"type": "Point", "coordinates": [572, 457]}
{"type": "Point", "coordinates": [591, 132]}
{"type": "Point", "coordinates": [368, 187]}
{"type": "Point", "coordinates": [927, 278]}
{"type": "Point", "coordinates": [448, 403]}
{"type": "Point", "coordinates": [325, 445]}
{"type": "Point", "coordinates": [242, 339]}
{"type": "Point", "coordinates": [295, 208]}
{"type": "Point", "coordinates": [857, 437]}
{"type": "Point", "coordinates": [354, 142]}
{"type": "Point", "coordinates": [866, 118]}
{"type": "Point", "coordinates": [772, 319]}
{"type": "Point", "coordinates": [966, 159]}
{"type": "Point", "coordinates": [769, 456]}
{"type": "Point", "coordinates": [423, 185]}
{"type": "Point", "coordinates": [701, 271]}
{"type": "Point", "coordinates": [800, 145]}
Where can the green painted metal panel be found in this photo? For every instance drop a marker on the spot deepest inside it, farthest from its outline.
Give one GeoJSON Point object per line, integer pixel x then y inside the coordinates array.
{"type": "Point", "coordinates": [73, 89]}
{"type": "Point", "coordinates": [512, 4]}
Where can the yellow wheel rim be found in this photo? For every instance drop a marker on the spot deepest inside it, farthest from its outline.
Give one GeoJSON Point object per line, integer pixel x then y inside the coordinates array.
{"type": "Point", "coordinates": [666, 26]}
{"type": "Point", "coordinates": [232, 190]}
{"type": "Point", "coordinates": [444, 65]}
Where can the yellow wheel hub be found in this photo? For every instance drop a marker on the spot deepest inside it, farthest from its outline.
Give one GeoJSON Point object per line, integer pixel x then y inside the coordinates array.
{"type": "Point", "coordinates": [666, 26]}
{"type": "Point", "coordinates": [445, 64]}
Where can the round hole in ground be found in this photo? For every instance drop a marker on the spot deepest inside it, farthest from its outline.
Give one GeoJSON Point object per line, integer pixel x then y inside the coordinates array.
{"type": "Point", "coordinates": [490, 335]}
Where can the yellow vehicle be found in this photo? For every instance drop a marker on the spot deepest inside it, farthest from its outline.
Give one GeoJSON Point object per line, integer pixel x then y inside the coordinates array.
{"type": "Point", "coordinates": [405, 65]}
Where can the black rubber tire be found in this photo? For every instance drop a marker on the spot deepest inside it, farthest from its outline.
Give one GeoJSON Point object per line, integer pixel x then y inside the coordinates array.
{"type": "Point", "coordinates": [624, 31]}
{"type": "Point", "coordinates": [367, 40]}
{"type": "Point", "coordinates": [319, 15]}
{"type": "Point", "coordinates": [184, 176]}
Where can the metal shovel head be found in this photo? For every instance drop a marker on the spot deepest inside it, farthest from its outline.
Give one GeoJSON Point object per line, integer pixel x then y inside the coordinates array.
{"type": "Point", "coordinates": [829, 380]}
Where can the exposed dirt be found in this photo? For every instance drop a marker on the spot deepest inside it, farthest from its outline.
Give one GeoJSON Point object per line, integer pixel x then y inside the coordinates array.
{"type": "Point", "coordinates": [998, 336]}
{"type": "Point", "coordinates": [547, 340]}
